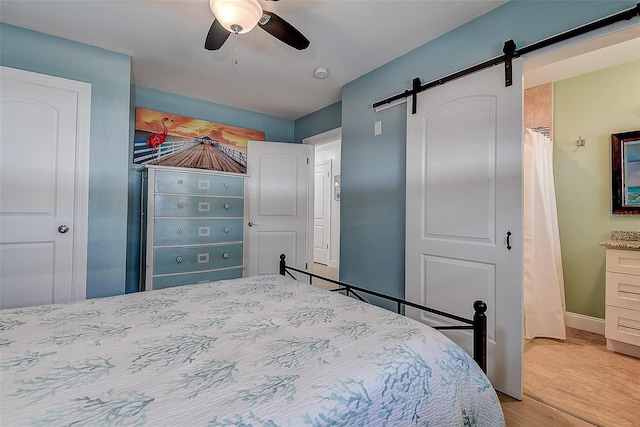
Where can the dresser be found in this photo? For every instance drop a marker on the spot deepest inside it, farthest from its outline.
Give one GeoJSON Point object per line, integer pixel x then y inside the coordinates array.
{"type": "Point", "coordinates": [192, 226]}
{"type": "Point", "coordinates": [622, 315]}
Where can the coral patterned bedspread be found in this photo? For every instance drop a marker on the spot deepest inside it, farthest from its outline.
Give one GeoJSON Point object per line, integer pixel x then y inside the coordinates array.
{"type": "Point", "coordinates": [257, 351]}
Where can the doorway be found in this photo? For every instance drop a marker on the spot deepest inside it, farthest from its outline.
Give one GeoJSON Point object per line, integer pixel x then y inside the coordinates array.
{"type": "Point", "coordinates": [569, 67]}
{"type": "Point", "coordinates": [326, 213]}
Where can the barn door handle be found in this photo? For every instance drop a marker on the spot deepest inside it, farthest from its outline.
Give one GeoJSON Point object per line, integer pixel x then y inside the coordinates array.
{"type": "Point", "coordinates": [508, 237]}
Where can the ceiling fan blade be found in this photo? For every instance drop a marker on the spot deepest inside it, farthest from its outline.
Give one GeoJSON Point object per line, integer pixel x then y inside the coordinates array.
{"type": "Point", "coordinates": [282, 30]}
{"type": "Point", "coordinates": [216, 36]}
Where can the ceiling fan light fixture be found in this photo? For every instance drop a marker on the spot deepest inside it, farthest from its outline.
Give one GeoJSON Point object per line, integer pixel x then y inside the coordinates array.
{"type": "Point", "coordinates": [237, 16]}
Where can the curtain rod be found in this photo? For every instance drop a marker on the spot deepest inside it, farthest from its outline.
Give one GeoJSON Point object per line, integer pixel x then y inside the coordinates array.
{"type": "Point", "coordinates": [510, 51]}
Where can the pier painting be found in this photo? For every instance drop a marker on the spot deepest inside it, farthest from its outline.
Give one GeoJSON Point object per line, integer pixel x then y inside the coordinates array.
{"type": "Point", "coordinates": [172, 140]}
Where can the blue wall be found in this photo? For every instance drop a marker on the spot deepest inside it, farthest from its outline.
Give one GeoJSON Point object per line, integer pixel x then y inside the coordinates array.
{"type": "Point", "coordinates": [320, 121]}
{"type": "Point", "coordinates": [275, 129]}
{"type": "Point", "coordinates": [373, 168]}
{"type": "Point", "coordinates": [109, 75]}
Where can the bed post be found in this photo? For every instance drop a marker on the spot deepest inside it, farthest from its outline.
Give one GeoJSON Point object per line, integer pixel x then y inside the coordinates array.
{"type": "Point", "coordinates": [283, 264]}
{"type": "Point", "coordinates": [480, 334]}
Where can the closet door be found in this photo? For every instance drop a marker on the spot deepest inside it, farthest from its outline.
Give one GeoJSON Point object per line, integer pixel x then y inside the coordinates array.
{"type": "Point", "coordinates": [464, 211]}
{"type": "Point", "coordinates": [44, 140]}
{"type": "Point", "coordinates": [279, 205]}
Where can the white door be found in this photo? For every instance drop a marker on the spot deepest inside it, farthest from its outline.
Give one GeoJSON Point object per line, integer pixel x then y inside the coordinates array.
{"type": "Point", "coordinates": [464, 195]}
{"type": "Point", "coordinates": [279, 205]}
{"type": "Point", "coordinates": [321, 212]}
{"type": "Point", "coordinates": [38, 203]}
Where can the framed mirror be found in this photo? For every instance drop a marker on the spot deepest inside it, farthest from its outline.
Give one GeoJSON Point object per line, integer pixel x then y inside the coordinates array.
{"type": "Point", "coordinates": [625, 169]}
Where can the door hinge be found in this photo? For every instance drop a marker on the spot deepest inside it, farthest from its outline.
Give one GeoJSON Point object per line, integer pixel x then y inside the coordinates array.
{"type": "Point", "coordinates": [306, 266]}
{"type": "Point", "coordinates": [307, 160]}
{"type": "Point", "coordinates": [327, 246]}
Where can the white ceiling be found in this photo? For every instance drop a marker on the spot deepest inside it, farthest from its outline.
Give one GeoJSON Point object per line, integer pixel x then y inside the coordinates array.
{"type": "Point", "coordinates": [165, 39]}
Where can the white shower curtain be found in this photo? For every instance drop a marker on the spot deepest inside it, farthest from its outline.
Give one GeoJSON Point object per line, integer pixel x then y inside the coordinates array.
{"type": "Point", "coordinates": [544, 301]}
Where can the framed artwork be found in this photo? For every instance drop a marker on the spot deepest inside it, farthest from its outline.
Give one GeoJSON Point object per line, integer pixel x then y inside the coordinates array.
{"type": "Point", "coordinates": [625, 173]}
{"type": "Point", "coordinates": [172, 140]}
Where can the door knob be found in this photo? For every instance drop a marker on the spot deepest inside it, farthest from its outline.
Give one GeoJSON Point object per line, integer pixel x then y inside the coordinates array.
{"type": "Point", "coordinates": [63, 228]}
{"type": "Point", "coordinates": [252, 224]}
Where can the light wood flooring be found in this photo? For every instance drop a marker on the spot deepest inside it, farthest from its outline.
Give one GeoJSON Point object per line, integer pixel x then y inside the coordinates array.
{"type": "Point", "coordinates": [581, 377]}
{"type": "Point", "coordinates": [324, 271]}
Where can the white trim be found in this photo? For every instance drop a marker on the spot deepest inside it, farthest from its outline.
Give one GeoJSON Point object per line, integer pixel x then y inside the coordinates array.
{"type": "Point", "coordinates": [333, 135]}
{"type": "Point", "coordinates": [324, 137]}
{"type": "Point", "coordinates": [596, 50]}
{"type": "Point", "coordinates": [585, 323]}
{"type": "Point", "coordinates": [81, 193]}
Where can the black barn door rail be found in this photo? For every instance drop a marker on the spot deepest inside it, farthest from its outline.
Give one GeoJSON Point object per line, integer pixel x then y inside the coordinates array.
{"type": "Point", "coordinates": [509, 52]}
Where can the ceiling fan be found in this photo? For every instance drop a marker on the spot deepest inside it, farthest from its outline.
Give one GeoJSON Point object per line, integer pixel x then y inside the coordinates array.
{"type": "Point", "coordinates": [241, 16]}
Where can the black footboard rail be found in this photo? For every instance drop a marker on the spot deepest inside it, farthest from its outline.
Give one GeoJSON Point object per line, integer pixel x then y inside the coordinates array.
{"type": "Point", "coordinates": [478, 325]}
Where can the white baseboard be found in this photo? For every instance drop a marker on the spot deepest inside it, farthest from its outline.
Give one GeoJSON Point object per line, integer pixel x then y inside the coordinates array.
{"type": "Point", "coordinates": [585, 323]}
{"type": "Point", "coordinates": [334, 263]}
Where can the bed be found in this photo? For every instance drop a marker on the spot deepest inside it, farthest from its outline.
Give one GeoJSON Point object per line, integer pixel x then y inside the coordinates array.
{"type": "Point", "coordinates": [258, 351]}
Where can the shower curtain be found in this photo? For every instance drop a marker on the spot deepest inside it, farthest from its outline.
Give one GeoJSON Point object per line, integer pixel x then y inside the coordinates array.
{"type": "Point", "coordinates": [544, 301]}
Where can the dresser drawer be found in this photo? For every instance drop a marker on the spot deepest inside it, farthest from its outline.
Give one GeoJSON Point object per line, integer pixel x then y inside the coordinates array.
{"type": "Point", "coordinates": [161, 282]}
{"type": "Point", "coordinates": [194, 183]}
{"type": "Point", "coordinates": [184, 259]}
{"type": "Point", "coordinates": [197, 206]}
{"type": "Point", "coordinates": [169, 231]}
{"type": "Point", "coordinates": [619, 261]}
{"type": "Point", "coordinates": [623, 290]}
{"type": "Point", "coordinates": [622, 325]}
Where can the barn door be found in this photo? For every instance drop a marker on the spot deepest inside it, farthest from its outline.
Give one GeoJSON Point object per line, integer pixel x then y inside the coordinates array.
{"type": "Point", "coordinates": [464, 211]}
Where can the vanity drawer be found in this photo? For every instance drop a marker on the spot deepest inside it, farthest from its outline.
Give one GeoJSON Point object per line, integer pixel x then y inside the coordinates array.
{"type": "Point", "coordinates": [621, 261]}
{"type": "Point", "coordinates": [195, 183]}
{"type": "Point", "coordinates": [622, 325]}
{"type": "Point", "coordinates": [171, 232]}
{"type": "Point", "coordinates": [623, 290]}
{"type": "Point", "coordinates": [197, 206]}
{"type": "Point", "coordinates": [184, 259]}
{"type": "Point", "coordinates": [161, 282]}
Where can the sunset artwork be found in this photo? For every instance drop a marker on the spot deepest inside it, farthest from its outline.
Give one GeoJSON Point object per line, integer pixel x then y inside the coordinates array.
{"type": "Point", "coordinates": [171, 140]}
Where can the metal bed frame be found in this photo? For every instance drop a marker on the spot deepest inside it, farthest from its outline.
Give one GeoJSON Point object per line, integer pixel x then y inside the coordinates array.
{"type": "Point", "coordinates": [478, 325]}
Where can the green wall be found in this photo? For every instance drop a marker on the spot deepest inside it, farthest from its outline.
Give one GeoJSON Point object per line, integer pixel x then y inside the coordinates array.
{"type": "Point", "coordinates": [593, 105]}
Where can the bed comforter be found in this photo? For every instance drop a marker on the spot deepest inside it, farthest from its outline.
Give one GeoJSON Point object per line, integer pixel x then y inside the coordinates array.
{"type": "Point", "coordinates": [258, 351]}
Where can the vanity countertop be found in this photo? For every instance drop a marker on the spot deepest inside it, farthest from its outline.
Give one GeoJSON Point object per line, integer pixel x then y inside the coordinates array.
{"type": "Point", "coordinates": [623, 240]}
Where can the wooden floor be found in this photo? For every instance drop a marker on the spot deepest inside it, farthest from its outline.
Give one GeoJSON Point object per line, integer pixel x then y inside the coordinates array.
{"type": "Point", "coordinates": [532, 413]}
{"type": "Point", "coordinates": [583, 378]}
{"type": "Point", "coordinates": [324, 271]}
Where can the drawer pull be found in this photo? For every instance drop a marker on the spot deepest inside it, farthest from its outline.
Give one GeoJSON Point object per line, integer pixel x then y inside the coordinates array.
{"type": "Point", "coordinates": [227, 205]}
{"type": "Point", "coordinates": [179, 259]}
{"type": "Point", "coordinates": [227, 185]}
{"type": "Point", "coordinates": [226, 229]}
{"type": "Point", "coordinates": [180, 205]}
{"type": "Point", "coordinates": [180, 181]}
{"type": "Point", "coordinates": [180, 231]}
{"type": "Point", "coordinates": [225, 255]}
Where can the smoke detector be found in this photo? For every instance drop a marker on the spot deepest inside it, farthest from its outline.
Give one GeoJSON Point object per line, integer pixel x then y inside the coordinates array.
{"type": "Point", "coordinates": [321, 73]}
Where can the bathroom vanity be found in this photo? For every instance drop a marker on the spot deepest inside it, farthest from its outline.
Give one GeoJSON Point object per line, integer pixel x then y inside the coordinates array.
{"type": "Point", "coordinates": [622, 312]}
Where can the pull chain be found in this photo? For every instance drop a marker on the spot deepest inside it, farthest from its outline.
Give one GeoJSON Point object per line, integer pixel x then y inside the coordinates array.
{"type": "Point", "coordinates": [235, 46]}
